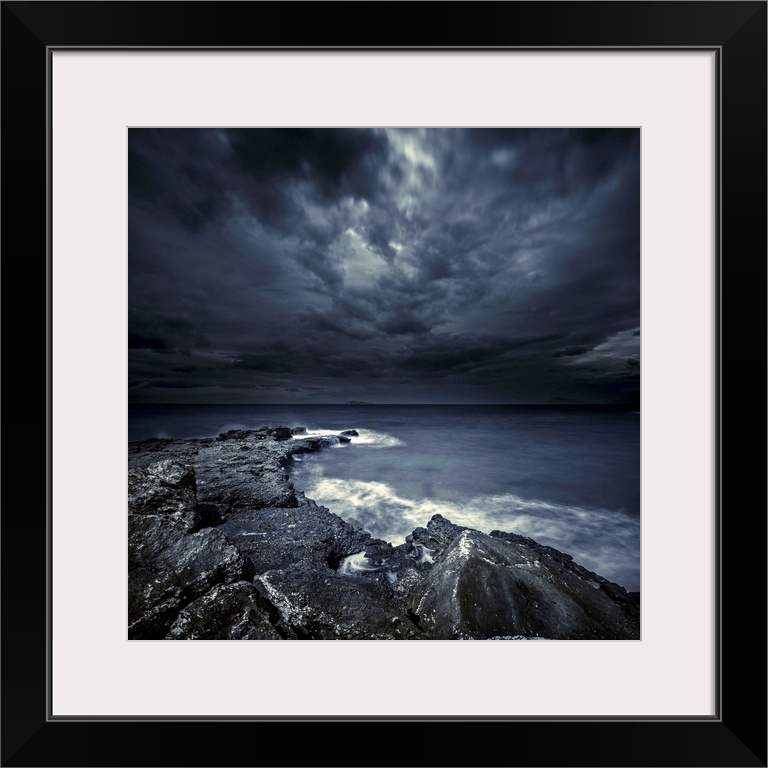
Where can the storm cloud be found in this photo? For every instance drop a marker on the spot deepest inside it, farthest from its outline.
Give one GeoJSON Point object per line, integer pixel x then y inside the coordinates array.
{"type": "Point", "coordinates": [386, 265]}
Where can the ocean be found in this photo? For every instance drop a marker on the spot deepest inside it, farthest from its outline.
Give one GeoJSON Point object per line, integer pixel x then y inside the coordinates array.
{"type": "Point", "coordinates": [567, 476]}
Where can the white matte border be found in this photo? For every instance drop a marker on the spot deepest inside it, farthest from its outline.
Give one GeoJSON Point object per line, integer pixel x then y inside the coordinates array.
{"type": "Point", "coordinates": [96, 96]}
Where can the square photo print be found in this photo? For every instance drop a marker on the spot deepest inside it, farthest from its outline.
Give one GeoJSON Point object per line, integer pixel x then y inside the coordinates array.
{"type": "Point", "coordinates": [384, 384]}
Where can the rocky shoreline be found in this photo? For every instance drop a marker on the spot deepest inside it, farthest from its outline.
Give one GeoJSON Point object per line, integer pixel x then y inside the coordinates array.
{"type": "Point", "coordinates": [222, 547]}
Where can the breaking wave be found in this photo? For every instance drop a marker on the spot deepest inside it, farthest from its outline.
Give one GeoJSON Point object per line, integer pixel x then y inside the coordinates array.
{"type": "Point", "coordinates": [367, 437]}
{"type": "Point", "coordinates": [375, 439]}
{"type": "Point", "coordinates": [605, 541]}
{"type": "Point", "coordinates": [359, 563]}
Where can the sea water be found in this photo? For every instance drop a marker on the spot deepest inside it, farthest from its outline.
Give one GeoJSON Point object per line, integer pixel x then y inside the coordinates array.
{"type": "Point", "coordinates": [567, 476]}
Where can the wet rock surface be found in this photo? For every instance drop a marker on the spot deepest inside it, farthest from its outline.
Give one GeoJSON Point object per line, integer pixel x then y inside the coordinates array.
{"type": "Point", "coordinates": [229, 612]}
{"type": "Point", "coordinates": [169, 567]}
{"type": "Point", "coordinates": [165, 488]}
{"type": "Point", "coordinates": [221, 546]}
{"type": "Point", "coordinates": [483, 586]}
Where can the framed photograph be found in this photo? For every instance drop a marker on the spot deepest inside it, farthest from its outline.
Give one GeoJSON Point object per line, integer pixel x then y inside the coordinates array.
{"type": "Point", "coordinates": [497, 208]}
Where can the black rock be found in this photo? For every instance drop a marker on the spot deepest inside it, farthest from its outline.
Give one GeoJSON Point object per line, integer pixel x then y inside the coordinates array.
{"type": "Point", "coordinates": [351, 433]}
{"type": "Point", "coordinates": [228, 612]}
{"type": "Point", "coordinates": [165, 488]}
{"type": "Point", "coordinates": [232, 434]}
{"type": "Point", "coordinates": [438, 534]}
{"type": "Point", "coordinates": [325, 605]}
{"type": "Point", "coordinates": [276, 537]}
{"type": "Point", "coordinates": [169, 567]}
{"type": "Point", "coordinates": [379, 551]}
{"type": "Point", "coordinates": [482, 586]}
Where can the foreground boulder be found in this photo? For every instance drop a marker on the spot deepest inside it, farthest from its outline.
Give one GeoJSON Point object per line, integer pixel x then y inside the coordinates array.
{"type": "Point", "coordinates": [483, 587]}
{"type": "Point", "coordinates": [169, 568]}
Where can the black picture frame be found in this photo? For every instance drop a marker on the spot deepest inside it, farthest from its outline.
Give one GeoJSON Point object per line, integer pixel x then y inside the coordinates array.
{"type": "Point", "coordinates": [736, 736]}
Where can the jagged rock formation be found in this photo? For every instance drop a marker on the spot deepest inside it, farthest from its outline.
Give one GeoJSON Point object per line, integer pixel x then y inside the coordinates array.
{"type": "Point", "coordinates": [487, 586]}
{"type": "Point", "coordinates": [221, 546]}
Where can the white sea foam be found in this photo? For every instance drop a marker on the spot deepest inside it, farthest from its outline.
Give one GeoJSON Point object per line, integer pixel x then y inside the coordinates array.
{"type": "Point", "coordinates": [355, 564]}
{"type": "Point", "coordinates": [375, 439]}
{"type": "Point", "coordinates": [359, 563]}
{"type": "Point", "coordinates": [425, 554]}
{"type": "Point", "coordinates": [367, 437]}
{"type": "Point", "coordinates": [317, 433]}
{"type": "Point", "coordinates": [605, 541]}
{"type": "Point", "coordinates": [321, 433]}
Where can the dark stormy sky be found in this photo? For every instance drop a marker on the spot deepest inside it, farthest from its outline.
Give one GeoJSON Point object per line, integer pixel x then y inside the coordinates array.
{"type": "Point", "coordinates": [389, 266]}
